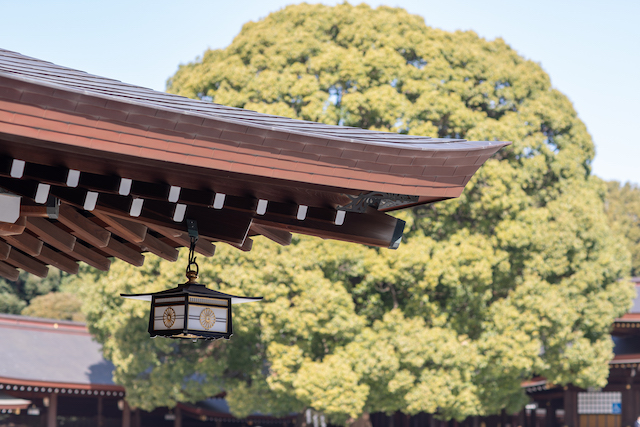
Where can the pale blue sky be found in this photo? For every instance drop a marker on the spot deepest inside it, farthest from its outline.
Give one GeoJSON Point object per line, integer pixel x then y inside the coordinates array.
{"type": "Point", "coordinates": [591, 49]}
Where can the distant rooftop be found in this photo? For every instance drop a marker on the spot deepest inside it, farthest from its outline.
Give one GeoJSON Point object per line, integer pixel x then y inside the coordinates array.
{"type": "Point", "coordinates": [51, 351]}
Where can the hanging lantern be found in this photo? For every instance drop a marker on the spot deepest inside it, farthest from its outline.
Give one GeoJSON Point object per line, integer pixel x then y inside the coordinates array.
{"type": "Point", "coordinates": [191, 310]}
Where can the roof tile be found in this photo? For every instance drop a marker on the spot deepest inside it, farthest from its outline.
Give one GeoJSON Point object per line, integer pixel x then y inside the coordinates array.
{"type": "Point", "coordinates": [151, 121]}
{"type": "Point", "coordinates": [407, 170]}
{"type": "Point", "coordinates": [352, 146]}
{"type": "Point", "coordinates": [298, 155]}
{"type": "Point", "coordinates": [374, 167]}
{"type": "Point", "coordinates": [466, 170]}
{"type": "Point", "coordinates": [340, 161]}
{"type": "Point", "coordinates": [360, 155]}
{"type": "Point", "coordinates": [383, 149]}
{"type": "Point", "coordinates": [394, 160]}
{"type": "Point", "coordinates": [242, 137]}
{"type": "Point", "coordinates": [283, 144]}
{"type": "Point", "coordinates": [451, 153]}
{"type": "Point", "coordinates": [99, 112]}
{"type": "Point", "coordinates": [428, 161]}
{"type": "Point", "coordinates": [9, 93]}
{"type": "Point", "coordinates": [455, 180]}
{"type": "Point", "coordinates": [439, 170]}
{"type": "Point", "coordinates": [460, 161]}
{"type": "Point", "coordinates": [29, 110]}
{"type": "Point", "coordinates": [323, 150]}
{"type": "Point", "coordinates": [6, 116]}
{"type": "Point", "coordinates": [190, 119]}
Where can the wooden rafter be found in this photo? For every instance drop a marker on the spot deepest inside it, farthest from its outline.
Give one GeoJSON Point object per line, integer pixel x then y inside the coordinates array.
{"type": "Point", "coordinates": [83, 227]}
{"type": "Point", "coordinates": [279, 236]}
{"type": "Point", "coordinates": [51, 234]}
{"type": "Point", "coordinates": [203, 246]}
{"type": "Point", "coordinates": [27, 263]}
{"type": "Point", "coordinates": [9, 272]}
{"type": "Point", "coordinates": [124, 252]}
{"type": "Point", "coordinates": [246, 246]}
{"type": "Point", "coordinates": [159, 248]}
{"type": "Point", "coordinates": [7, 229]}
{"type": "Point", "coordinates": [4, 250]}
{"type": "Point", "coordinates": [58, 260]}
{"type": "Point", "coordinates": [91, 257]}
{"type": "Point", "coordinates": [128, 230]}
{"type": "Point", "coordinates": [26, 243]}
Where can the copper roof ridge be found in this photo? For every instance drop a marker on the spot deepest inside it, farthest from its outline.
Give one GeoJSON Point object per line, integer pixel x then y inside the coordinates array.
{"type": "Point", "coordinates": [413, 143]}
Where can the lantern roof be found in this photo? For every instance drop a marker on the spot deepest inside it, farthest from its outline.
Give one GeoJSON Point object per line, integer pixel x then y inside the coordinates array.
{"type": "Point", "coordinates": [92, 168]}
{"type": "Point", "coordinates": [192, 289]}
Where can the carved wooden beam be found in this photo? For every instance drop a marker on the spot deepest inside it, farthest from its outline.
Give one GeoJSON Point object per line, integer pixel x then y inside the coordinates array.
{"type": "Point", "coordinates": [83, 227]}
{"type": "Point", "coordinates": [28, 264]}
{"type": "Point", "coordinates": [9, 272]}
{"type": "Point", "coordinates": [91, 257]}
{"type": "Point", "coordinates": [279, 236]}
{"type": "Point", "coordinates": [246, 246]}
{"type": "Point", "coordinates": [203, 247]}
{"type": "Point", "coordinates": [51, 234]}
{"type": "Point", "coordinates": [7, 229]}
{"type": "Point", "coordinates": [124, 252]}
{"type": "Point", "coordinates": [159, 248]}
{"type": "Point", "coordinates": [5, 249]}
{"type": "Point", "coordinates": [58, 260]}
{"type": "Point", "coordinates": [128, 230]}
{"type": "Point", "coordinates": [25, 242]}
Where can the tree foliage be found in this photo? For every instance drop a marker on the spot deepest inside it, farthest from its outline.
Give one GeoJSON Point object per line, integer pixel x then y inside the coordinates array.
{"type": "Point", "coordinates": [623, 209]}
{"type": "Point", "coordinates": [56, 305]}
{"type": "Point", "coordinates": [15, 296]}
{"type": "Point", "coordinates": [518, 277]}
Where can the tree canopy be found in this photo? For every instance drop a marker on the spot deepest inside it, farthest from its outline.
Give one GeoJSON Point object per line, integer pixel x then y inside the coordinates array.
{"type": "Point", "coordinates": [518, 277]}
{"type": "Point", "coordinates": [623, 209]}
{"type": "Point", "coordinates": [15, 296]}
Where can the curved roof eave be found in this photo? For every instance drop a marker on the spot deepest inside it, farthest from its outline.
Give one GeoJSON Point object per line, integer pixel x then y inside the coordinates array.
{"type": "Point", "coordinates": [19, 67]}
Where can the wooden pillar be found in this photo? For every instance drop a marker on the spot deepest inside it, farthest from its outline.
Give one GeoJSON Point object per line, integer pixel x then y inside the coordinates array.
{"type": "Point", "coordinates": [503, 418]}
{"type": "Point", "coordinates": [533, 418]}
{"type": "Point", "coordinates": [177, 422]}
{"type": "Point", "coordinates": [570, 407]}
{"type": "Point", "coordinates": [628, 415]}
{"type": "Point", "coordinates": [136, 418]}
{"type": "Point", "coordinates": [126, 414]}
{"type": "Point", "coordinates": [100, 420]}
{"type": "Point", "coordinates": [550, 418]}
{"type": "Point", "coordinates": [52, 411]}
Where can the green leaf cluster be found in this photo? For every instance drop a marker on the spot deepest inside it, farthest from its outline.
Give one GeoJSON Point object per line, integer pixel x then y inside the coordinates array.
{"type": "Point", "coordinates": [15, 296]}
{"type": "Point", "coordinates": [622, 205]}
{"type": "Point", "coordinates": [518, 277]}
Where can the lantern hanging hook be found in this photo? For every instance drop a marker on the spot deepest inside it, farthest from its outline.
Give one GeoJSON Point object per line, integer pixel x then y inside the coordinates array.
{"type": "Point", "coordinates": [192, 228]}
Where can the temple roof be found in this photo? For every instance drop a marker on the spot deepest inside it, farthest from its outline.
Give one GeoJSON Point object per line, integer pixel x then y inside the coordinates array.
{"type": "Point", "coordinates": [122, 167]}
{"type": "Point", "coordinates": [51, 353]}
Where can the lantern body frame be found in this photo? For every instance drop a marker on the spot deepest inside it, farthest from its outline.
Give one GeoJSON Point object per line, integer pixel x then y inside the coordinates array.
{"type": "Point", "coordinates": [189, 319]}
{"type": "Point", "coordinates": [191, 311]}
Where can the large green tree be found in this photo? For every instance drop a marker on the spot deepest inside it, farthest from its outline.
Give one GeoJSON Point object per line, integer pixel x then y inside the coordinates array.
{"type": "Point", "coordinates": [622, 205]}
{"type": "Point", "coordinates": [518, 277]}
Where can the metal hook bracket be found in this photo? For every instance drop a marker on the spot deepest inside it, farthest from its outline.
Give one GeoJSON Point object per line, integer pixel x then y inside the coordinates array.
{"type": "Point", "coordinates": [192, 229]}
